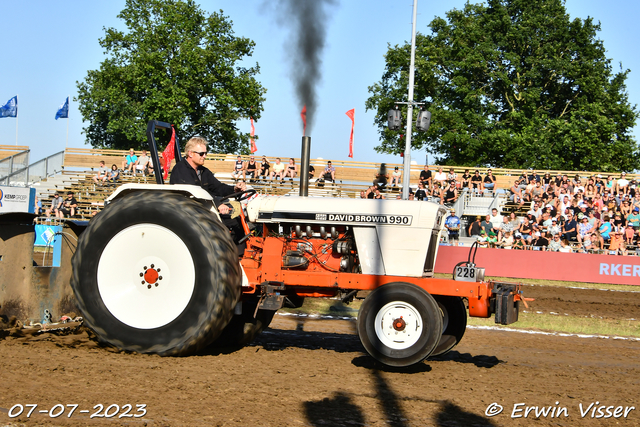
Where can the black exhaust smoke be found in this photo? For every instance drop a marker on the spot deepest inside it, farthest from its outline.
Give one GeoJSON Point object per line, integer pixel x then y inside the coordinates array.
{"type": "Point", "coordinates": [308, 21]}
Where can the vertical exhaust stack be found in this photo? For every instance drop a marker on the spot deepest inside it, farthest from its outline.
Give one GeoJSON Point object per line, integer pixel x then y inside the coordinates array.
{"type": "Point", "coordinates": [304, 166]}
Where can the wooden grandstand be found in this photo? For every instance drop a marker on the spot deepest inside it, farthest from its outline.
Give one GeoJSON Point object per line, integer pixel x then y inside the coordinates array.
{"type": "Point", "coordinates": [352, 177]}
{"type": "Point", "coordinates": [11, 150]}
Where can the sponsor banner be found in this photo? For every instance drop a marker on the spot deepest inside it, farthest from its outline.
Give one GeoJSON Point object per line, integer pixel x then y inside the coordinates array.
{"type": "Point", "coordinates": [587, 268]}
{"type": "Point", "coordinates": [17, 199]}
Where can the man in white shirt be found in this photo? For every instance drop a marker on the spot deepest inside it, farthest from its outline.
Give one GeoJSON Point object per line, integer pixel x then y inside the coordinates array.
{"type": "Point", "coordinates": [277, 170]}
{"type": "Point", "coordinates": [622, 185]}
{"type": "Point", "coordinates": [496, 218]}
{"type": "Point", "coordinates": [440, 176]}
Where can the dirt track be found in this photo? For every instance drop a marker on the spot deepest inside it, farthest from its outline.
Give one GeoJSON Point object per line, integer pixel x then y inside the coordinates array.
{"type": "Point", "coordinates": [306, 372]}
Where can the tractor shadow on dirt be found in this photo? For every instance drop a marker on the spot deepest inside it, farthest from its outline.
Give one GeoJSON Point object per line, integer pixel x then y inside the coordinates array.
{"type": "Point", "coordinates": [451, 415]}
{"type": "Point", "coordinates": [481, 361]}
{"type": "Point", "coordinates": [336, 411]}
{"type": "Point", "coordinates": [340, 410]}
{"type": "Point", "coordinates": [368, 362]}
{"type": "Point", "coordinates": [276, 340]}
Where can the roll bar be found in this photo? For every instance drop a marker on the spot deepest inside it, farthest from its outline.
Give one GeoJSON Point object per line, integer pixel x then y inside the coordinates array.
{"type": "Point", "coordinates": [151, 127]}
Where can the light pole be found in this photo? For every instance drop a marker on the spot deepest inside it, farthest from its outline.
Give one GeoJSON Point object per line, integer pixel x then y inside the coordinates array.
{"type": "Point", "coordinates": [406, 175]}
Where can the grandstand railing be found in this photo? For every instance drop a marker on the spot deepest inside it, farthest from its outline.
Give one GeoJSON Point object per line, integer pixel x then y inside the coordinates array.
{"type": "Point", "coordinates": [46, 167]}
{"type": "Point", "coordinates": [15, 170]}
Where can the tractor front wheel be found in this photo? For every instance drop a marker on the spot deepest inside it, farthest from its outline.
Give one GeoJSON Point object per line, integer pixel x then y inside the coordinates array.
{"type": "Point", "coordinates": [399, 324]}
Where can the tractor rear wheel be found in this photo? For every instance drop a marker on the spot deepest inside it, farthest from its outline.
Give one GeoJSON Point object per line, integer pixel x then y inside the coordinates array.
{"type": "Point", "coordinates": [454, 323]}
{"type": "Point", "coordinates": [156, 272]}
{"type": "Point", "coordinates": [399, 324]}
{"type": "Point", "coordinates": [244, 328]}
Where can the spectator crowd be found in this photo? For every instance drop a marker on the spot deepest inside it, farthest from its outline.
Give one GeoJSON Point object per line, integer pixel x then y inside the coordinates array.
{"type": "Point", "coordinates": [592, 214]}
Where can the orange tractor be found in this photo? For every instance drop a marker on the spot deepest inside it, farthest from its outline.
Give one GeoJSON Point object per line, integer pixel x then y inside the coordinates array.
{"type": "Point", "coordinates": [157, 271]}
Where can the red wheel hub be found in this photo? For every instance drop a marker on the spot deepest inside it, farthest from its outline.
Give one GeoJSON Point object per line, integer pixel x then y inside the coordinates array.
{"type": "Point", "coordinates": [399, 324]}
{"type": "Point", "coordinates": [151, 275]}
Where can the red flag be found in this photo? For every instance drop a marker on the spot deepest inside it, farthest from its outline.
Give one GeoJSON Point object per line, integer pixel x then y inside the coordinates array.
{"type": "Point", "coordinates": [253, 142]}
{"type": "Point", "coordinates": [303, 114]}
{"type": "Point", "coordinates": [351, 114]}
{"type": "Point", "coordinates": [169, 153]}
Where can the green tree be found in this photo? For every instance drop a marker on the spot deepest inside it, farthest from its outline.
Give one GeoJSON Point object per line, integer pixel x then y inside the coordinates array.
{"type": "Point", "coordinates": [173, 64]}
{"type": "Point", "coordinates": [514, 84]}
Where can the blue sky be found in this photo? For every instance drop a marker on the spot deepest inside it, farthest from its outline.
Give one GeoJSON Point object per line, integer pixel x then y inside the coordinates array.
{"type": "Point", "coordinates": [48, 46]}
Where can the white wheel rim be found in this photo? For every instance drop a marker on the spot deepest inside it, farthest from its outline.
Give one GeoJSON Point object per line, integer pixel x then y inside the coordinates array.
{"type": "Point", "coordinates": [388, 330]}
{"type": "Point", "coordinates": [154, 303]}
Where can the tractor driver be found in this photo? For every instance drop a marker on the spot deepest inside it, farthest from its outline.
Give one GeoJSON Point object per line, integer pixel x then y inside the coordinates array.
{"type": "Point", "coordinates": [192, 171]}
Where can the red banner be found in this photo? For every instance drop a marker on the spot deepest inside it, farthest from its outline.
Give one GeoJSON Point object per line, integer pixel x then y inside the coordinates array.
{"type": "Point", "coordinates": [253, 142]}
{"type": "Point", "coordinates": [303, 115]}
{"type": "Point", "coordinates": [351, 114]}
{"type": "Point", "coordinates": [169, 153]}
{"type": "Point", "coordinates": [574, 267]}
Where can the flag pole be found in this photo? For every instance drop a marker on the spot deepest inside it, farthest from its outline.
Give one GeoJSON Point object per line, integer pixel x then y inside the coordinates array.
{"type": "Point", "coordinates": [66, 144]}
{"type": "Point", "coordinates": [16, 119]}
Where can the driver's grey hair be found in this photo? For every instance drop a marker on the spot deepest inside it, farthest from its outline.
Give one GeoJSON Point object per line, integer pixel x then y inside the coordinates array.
{"type": "Point", "coordinates": [194, 142]}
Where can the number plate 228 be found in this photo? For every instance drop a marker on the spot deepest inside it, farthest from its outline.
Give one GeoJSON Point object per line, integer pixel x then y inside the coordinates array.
{"type": "Point", "coordinates": [465, 273]}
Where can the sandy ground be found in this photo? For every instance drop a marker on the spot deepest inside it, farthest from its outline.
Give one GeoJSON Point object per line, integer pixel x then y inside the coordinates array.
{"type": "Point", "coordinates": [315, 372]}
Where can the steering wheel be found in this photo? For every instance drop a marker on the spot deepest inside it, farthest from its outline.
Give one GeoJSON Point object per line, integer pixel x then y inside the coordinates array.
{"type": "Point", "coordinates": [240, 195]}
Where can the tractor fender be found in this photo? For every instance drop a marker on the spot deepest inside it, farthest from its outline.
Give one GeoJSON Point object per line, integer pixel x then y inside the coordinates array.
{"type": "Point", "coordinates": [192, 191]}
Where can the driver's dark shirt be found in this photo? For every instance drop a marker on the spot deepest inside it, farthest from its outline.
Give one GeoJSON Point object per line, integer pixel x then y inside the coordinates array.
{"type": "Point", "coordinates": [183, 173]}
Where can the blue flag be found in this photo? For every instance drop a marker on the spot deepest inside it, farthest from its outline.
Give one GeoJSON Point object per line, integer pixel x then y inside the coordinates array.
{"type": "Point", "coordinates": [63, 111]}
{"type": "Point", "coordinates": [10, 109]}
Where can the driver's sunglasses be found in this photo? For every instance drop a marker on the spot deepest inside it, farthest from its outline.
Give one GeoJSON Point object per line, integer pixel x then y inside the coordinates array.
{"type": "Point", "coordinates": [200, 153]}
